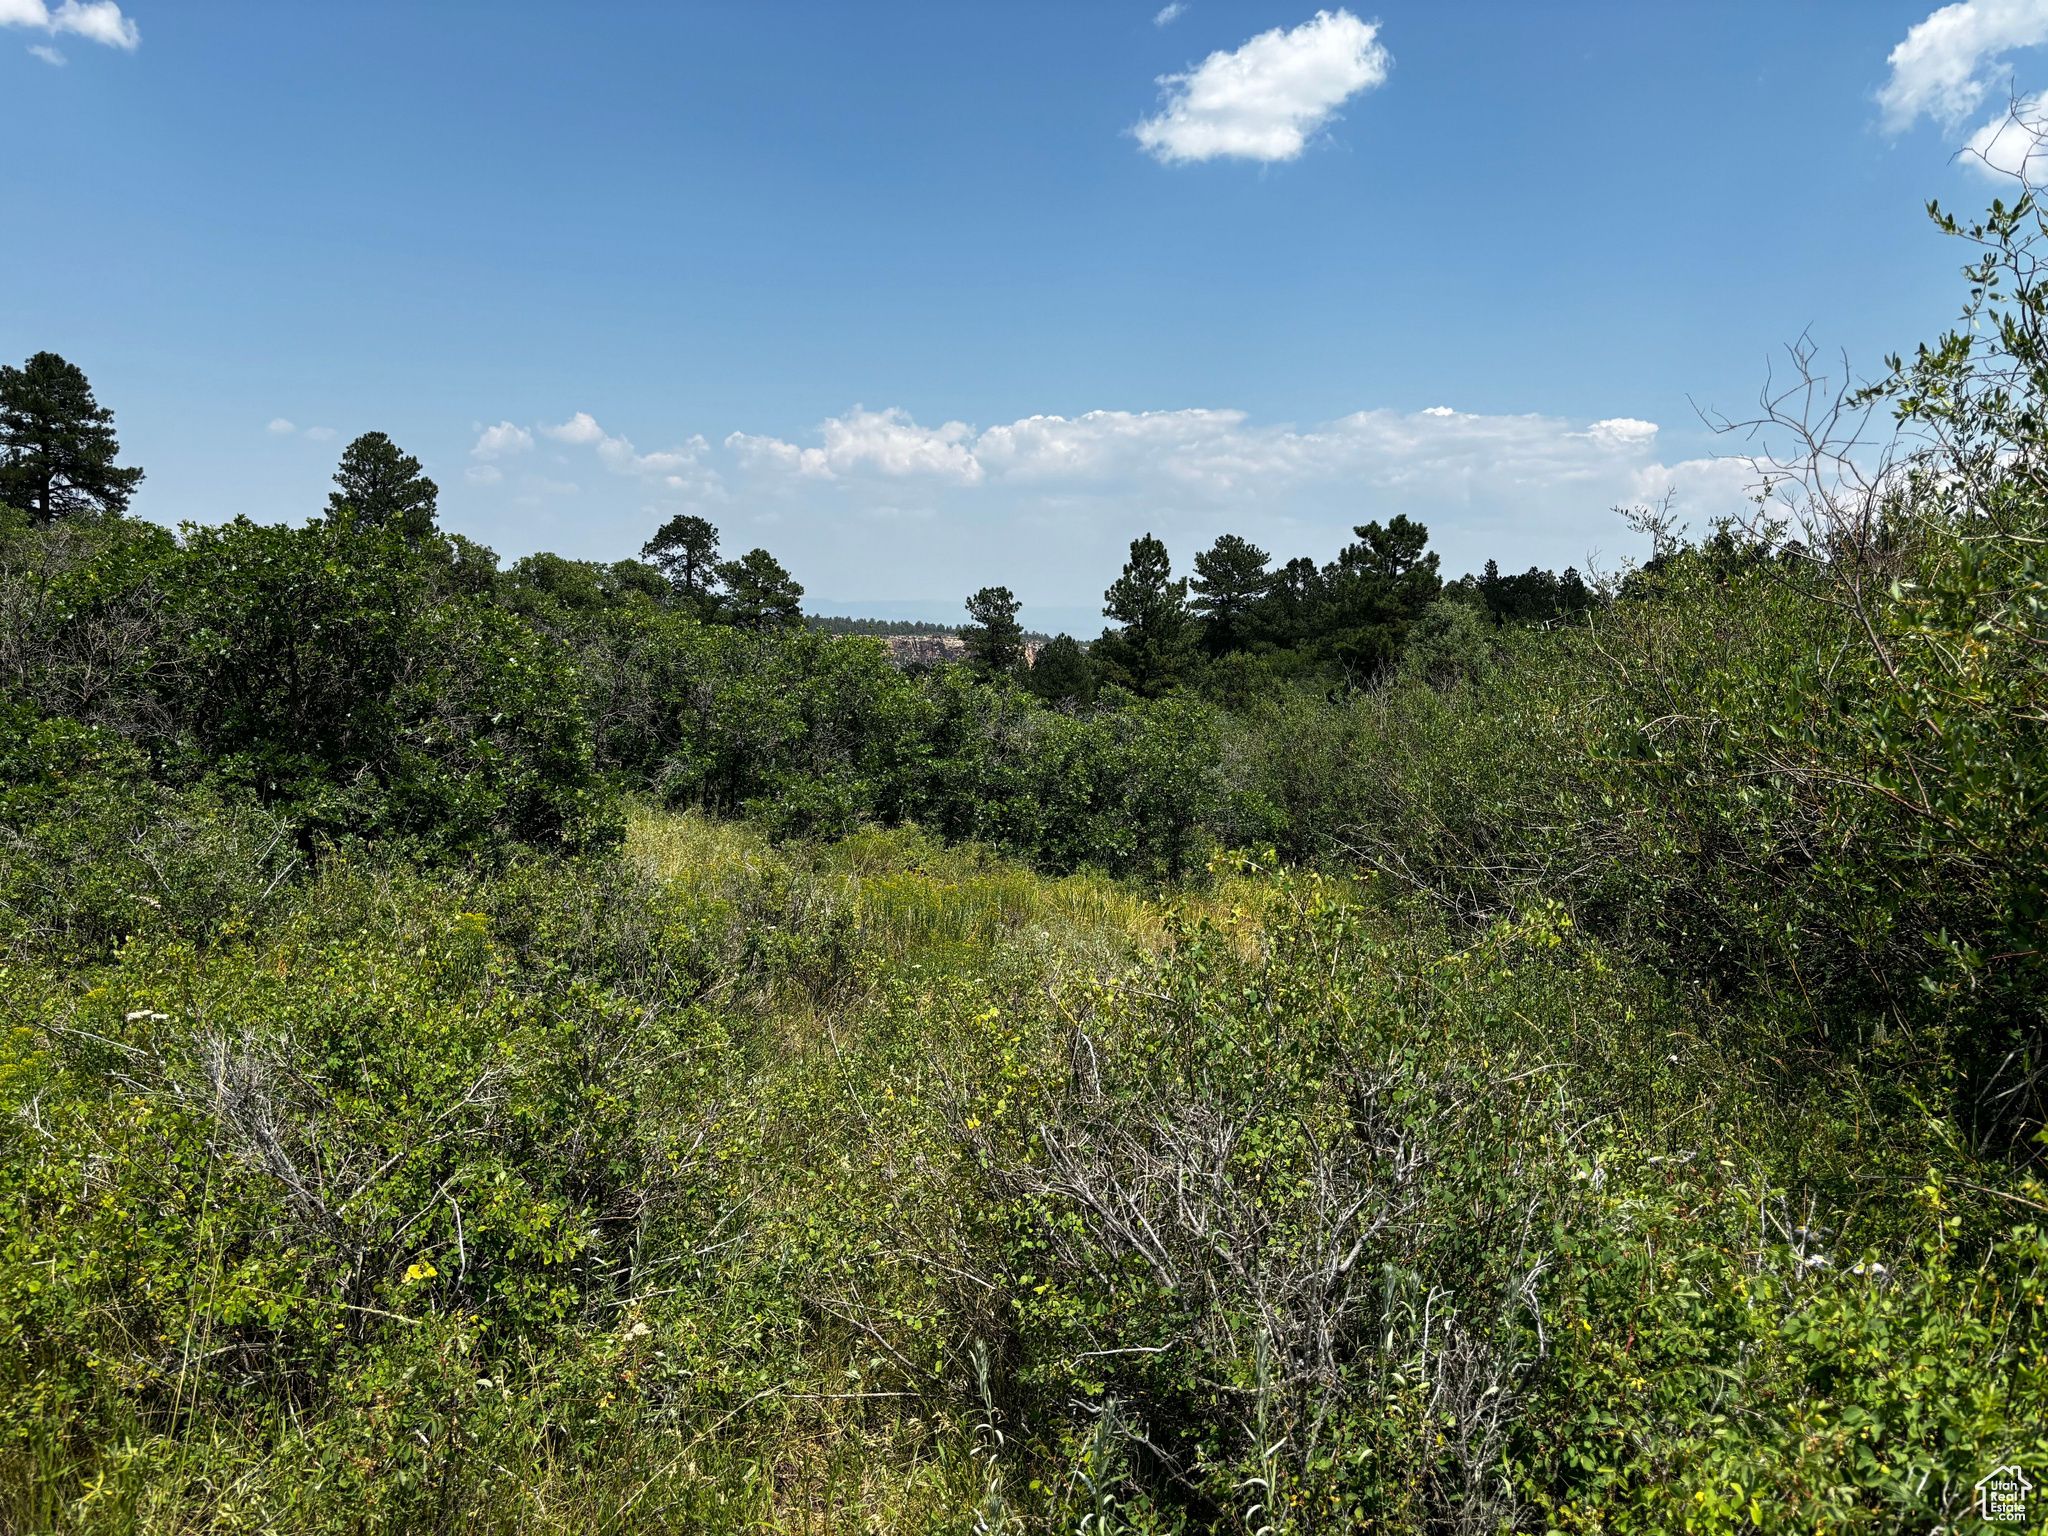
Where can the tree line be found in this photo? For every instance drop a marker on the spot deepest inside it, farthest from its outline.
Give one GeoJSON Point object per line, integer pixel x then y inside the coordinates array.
{"type": "Point", "coordinates": [1348, 618]}
{"type": "Point", "coordinates": [373, 676]}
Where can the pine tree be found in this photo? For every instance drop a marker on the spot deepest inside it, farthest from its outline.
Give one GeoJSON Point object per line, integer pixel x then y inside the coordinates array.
{"type": "Point", "coordinates": [995, 640]}
{"type": "Point", "coordinates": [1287, 616]}
{"type": "Point", "coordinates": [686, 549]}
{"type": "Point", "coordinates": [1152, 650]}
{"type": "Point", "coordinates": [1229, 581]}
{"type": "Point", "coordinates": [1573, 595]}
{"type": "Point", "coordinates": [759, 593]}
{"type": "Point", "coordinates": [1060, 673]}
{"type": "Point", "coordinates": [1372, 592]}
{"type": "Point", "coordinates": [382, 487]}
{"type": "Point", "coordinates": [57, 444]}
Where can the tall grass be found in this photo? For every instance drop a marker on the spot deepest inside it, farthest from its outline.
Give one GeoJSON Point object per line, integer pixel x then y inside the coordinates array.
{"type": "Point", "coordinates": [906, 891]}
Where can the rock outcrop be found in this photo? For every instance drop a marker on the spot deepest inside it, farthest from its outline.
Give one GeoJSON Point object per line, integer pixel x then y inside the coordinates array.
{"type": "Point", "coordinates": [932, 650]}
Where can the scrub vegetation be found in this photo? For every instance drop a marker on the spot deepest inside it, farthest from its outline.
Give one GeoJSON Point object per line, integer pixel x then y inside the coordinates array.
{"type": "Point", "coordinates": [571, 1048]}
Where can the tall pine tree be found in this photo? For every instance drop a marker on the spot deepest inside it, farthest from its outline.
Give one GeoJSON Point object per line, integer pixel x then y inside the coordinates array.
{"type": "Point", "coordinates": [382, 487]}
{"type": "Point", "coordinates": [57, 444]}
{"type": "Point", "coordinates": [1060, 673]}
{"type": "Point", "coordinates": [759, 593]}
{"type": "Point", "coordinates": [1229, 581]}
{"type": "Point", "coordinates": [995, 640]}
{"type": "Point", "coordinates": [686, 549]}
{"type": "Point", "coordinates": [1155, 646]}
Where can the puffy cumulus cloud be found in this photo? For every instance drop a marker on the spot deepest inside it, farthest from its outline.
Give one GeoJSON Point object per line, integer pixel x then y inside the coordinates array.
{"type": "Point", "coordinates": [321, 434]}
{"type": "Point", "coordinates": [1951, 61]}
{"type": "Point", "coordinates": [1199, 449]}
{"type": "Point", "coordinates": [1947, 63]}
{"type": "Point", "coordinates": [1213, 454]}
{"type": "Point", "coordinates": [48, 54]}
{"type": "Point", "coordinates": [1262, 101]}
{"type": "Point", "coordinates": [1622, 432]}
{"type": "Point", "coordinates": [2013, 145]}
{"type": "Point", "coordinates": [675, 469]}
{"type": "Point", "coordinates": [503, 439]}
{"type": "Point", "coordinates": [100, 22]}
{"type": "Point", "coordinates": [869, 442]}
{"type": "Point", "coordinates": [772, 453]}
{"type": "Point", "coordinates": [281, 427]}
{"type": "Point", "coordinates": [1167, 15]}
{"type": "Point", "coordinates": [1700, 489]}
{"type": "Point", "coordinates": [579, 429]}
{"type": "Point", "coordinates": [97, 21]}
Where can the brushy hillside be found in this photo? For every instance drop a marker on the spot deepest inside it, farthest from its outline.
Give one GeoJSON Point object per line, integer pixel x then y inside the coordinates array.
{"type": "Point", "coordinates": [883, 1186]}
{"type": "Point", "coordinates": [481, 1061]}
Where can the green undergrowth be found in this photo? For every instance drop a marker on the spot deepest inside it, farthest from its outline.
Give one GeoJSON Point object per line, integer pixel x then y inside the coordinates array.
{"type": "Point", "coordinates": [879, 1185]}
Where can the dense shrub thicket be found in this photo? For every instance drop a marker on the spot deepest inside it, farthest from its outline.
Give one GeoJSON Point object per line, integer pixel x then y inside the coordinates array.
{"type": "Point", "coordinates": [357, 682]}
{"type": "Point", "coordinates": [572, 1048]}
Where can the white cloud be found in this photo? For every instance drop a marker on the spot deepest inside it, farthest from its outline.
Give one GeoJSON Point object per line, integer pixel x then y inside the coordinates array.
{"type": "Point", "coordinates": [1207, 450]}
{"type": "Point", "coordinates": [580, 428]}
{"type": "Point", "coordinates": [1622, 432]}
{"type": "Point", "coordinates": [483, 474]}
{"type": "Point", "coordinates": [98, 21]}
{"type": "Point", "coordinates": [1213, 454]}
{"type": "Point", "coordinates": [281, 427]}
{"type": "Point", "coordinates": [1951, 61]}
{"type": "Point", "coordinates": [674, 469]}
{"type": "Point", "coordinates": [773, 453]}
{"type": "Point", "coordinates": [48, 55]}
{"type": "Point", "coordinates": [320, 434]}
{"type": "Point", "coordinates": [1169, 14]}
{"type": "Point", "coordinates": [1700, 489]}
{"type": "Point", "coordinates": [1946, 64]}
{"type": "Point", "coordinates": [875, 442]}
{"type": "Point", "coordinates": [2015, 144]}
{"type": "Point", "coordinates": [496, 442]}
{"type": "Point", "coordinates": [1262, 101]}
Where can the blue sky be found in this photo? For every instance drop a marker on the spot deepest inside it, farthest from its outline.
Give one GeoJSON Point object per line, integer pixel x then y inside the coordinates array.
{"type": "Point", "coordinates": [913, 295]}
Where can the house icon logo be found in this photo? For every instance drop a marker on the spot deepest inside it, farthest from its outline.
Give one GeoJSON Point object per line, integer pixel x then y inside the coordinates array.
{"type": "Point", "coordinates": [2002, 1496]}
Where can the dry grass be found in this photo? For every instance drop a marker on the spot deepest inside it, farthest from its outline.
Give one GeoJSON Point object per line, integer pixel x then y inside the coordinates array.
{"type": "Point", "coordinates": [914, 895]}
{"type": "Point", "coordinates": [909, 892]}
{"type": "Point", "coordinates": [690, 846]}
